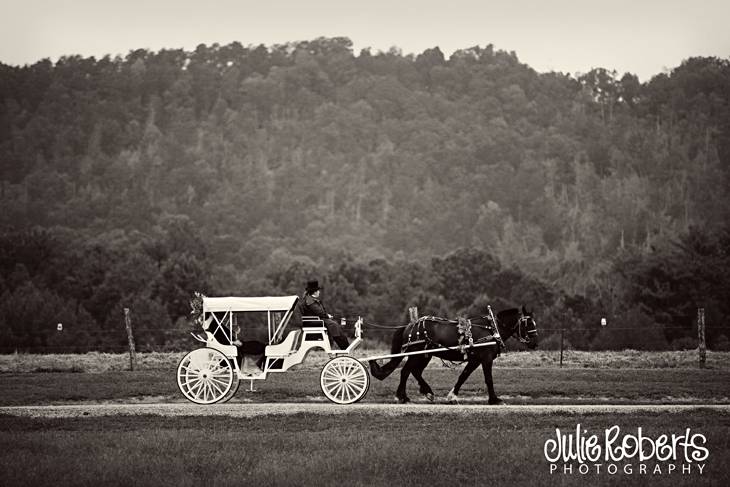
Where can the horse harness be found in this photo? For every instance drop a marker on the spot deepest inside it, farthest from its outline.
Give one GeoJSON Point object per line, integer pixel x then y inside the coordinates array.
{"type": "Point", "coordinates": [418, 334]}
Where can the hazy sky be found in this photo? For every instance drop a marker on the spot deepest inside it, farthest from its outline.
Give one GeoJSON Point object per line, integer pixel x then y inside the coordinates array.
{"type": "Point", "coordinates": [644, 37]}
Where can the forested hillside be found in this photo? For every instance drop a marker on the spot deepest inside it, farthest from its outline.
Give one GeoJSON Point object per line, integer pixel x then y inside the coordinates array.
{"type": "Point", "coordinates": [395, 179]}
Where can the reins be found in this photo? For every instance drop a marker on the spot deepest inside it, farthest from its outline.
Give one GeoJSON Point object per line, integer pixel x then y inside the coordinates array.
{"type": "Point", "coordinates": [368, 324]}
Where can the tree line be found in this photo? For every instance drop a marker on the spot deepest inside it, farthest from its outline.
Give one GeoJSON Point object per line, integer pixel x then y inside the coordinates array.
{"type": "Point", "coordinates": [135, 180]}
{"type": "Point", "coordinates": [85, 282]}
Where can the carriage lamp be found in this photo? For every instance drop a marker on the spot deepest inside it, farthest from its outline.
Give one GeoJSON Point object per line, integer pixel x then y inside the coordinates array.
{"type": "Point", "coordinates": [59, 327]}
{"type": "Point", "coordinates": [603, 321]}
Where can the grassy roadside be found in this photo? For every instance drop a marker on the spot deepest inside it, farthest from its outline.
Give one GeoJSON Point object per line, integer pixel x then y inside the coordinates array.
{"type": "Point", "coordinates": [632, 359]}
{"type": "Point", "coordinates": [350, 449]}
{"type": "Point", "coordinates": [514, 385]}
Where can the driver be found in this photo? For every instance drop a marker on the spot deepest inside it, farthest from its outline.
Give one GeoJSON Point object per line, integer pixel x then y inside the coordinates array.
{"type": "Point", "coordinates": [313, 306]}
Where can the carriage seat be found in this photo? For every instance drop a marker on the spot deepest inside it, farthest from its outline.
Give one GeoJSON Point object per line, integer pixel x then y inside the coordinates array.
{"type": "Point", "coordinates": [312, 321]}
{"type": "Point", "coordinates": [288, 346]}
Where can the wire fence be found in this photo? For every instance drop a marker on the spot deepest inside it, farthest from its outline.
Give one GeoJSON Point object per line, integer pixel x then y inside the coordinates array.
{"type": "Point", "coordinates": [584, 338]}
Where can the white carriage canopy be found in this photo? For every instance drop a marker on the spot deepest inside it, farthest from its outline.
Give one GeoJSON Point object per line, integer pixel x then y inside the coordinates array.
{"type": "Point", "coordinates": [231, 303]}
{"type": "Point", "coordinates": [261, 318]}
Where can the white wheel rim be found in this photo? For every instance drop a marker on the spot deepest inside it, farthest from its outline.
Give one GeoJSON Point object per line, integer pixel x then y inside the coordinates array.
{"type": "Point", "coordinates": [204, 376]}
{"type": "Point", "coordinates": [344, 380]}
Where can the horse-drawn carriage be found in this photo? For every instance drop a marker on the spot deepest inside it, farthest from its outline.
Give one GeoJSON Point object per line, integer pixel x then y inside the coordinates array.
{"type": "Point", "coordinates": [212, 373]}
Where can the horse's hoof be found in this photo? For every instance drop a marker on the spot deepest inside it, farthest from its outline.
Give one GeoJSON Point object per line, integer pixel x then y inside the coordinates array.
{"type": "Point", "coordinates": [429, 396]}
{"type": "Point", "coordinates": [402, 400]}
{"type": "Point", "coordinates": [496, 402]}
{"type": "Point", "coordinates": [452, 398]}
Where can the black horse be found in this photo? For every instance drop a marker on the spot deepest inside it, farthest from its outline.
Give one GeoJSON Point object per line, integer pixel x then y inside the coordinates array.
{"type": "Point", "coordinates": [431, 333]}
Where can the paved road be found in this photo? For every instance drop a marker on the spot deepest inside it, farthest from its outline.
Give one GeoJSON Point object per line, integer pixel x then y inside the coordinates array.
{"type": "Point", "coordinates": [264, 409]}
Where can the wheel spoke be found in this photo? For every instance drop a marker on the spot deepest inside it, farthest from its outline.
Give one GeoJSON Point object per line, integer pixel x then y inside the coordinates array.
{"type": "Point", "coordinates": [350, 392]}
{"type": "Point", "coordinates": [223, 376]}
{"type": "Point", "coordinates": [218, 388]}
{"type": "Point", "coordinates": [355, 390]}
{"type": "Point", "coordinates": [358, 383]}
{"type": "Point", "coordinates": [197, 387]}
{"type": "Point", "coordinates": [189, 369]}
{"type": "Point", "coordinates": [351, 370]}
{"type": "Point", "coordinates": [216, 380]}
{"type": "Point", "coordinates": [190, 388]}
{"type": "Point", "coordinates": [340, 370]}
{"type": "Point", "coordinates": [216, 367]}
{"type": "Point", "coordinates": [191, 380]}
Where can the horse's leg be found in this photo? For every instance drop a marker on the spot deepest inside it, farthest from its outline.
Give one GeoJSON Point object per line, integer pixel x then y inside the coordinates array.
{"type": "Point", "coordinates": [487, 368]}
{"type": "Point", "coordinates": [471, 365]}
{"type": "Point", "coordinates": [418, 367]}
{"type": "Point", "coordinates": [400, 394]}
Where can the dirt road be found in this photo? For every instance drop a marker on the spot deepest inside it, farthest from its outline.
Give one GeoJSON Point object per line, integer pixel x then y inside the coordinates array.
{"type": "Point", "coordinates": [264, 409]}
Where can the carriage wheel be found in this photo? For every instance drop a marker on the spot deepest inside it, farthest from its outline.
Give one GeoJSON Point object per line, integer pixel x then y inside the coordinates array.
{"type": "Point", "coordinates": [205, 376]}
{"type": "Point", "coordinates": [234, 387]}
{"type": "Point", "coordinates": [344, 380]}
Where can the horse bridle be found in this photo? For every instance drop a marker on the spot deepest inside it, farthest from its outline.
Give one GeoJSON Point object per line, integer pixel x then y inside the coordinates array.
{"type": "Point", "coordinates": [523, 334]}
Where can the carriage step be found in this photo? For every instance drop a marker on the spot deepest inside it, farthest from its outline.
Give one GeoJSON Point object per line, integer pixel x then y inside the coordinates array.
{"type": "Point", "coordinates": [257, 375]}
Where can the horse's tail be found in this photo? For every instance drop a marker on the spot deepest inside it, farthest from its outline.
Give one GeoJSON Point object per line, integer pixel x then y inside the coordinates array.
{"type": "Point", "coordinates": [396, 344]}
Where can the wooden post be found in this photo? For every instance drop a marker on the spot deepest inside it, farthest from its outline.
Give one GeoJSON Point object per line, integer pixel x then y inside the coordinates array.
{"type": "Point", "coordinates": [130, 339]}
{"type": "Point", "coordinates": [701, 336]}
{"type": "Point", "coordinates": [562, 335]}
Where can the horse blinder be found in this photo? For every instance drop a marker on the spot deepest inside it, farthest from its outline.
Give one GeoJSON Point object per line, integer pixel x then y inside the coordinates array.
{"type": "Point", "coordinates": [526, 329]}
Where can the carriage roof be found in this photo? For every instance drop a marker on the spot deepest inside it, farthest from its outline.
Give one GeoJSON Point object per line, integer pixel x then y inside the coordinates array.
{"type": "Point", "coordinates": [264, 303]}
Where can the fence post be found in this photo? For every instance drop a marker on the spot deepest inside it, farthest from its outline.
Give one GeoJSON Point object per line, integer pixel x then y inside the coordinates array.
{"type": "Point", "coordinates": [562, 335]}
{"type": "Point", "coordinates": [413, 314]}
{"type": "Point", "coordinates": [130, 339]}
{"type": "Point", "coordinates": [701, 336]}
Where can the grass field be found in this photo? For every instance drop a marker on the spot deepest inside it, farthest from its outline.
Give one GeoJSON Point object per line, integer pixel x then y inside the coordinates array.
{"type": "Point", "coordinates": [348, 449]}
{"type": "Point", "coordinates": [28, 379]}
{"type": "Point", "coordinates": [352, 449]}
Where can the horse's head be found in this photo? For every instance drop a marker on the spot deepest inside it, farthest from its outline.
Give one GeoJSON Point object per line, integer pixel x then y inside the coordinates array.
{"type": "Point", "coordinates": [521, 324]}
{"type": "Point", "coordinates": [527, 329]}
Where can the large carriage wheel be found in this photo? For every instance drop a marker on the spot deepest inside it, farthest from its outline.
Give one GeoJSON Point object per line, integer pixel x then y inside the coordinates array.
{"type": "Point", "coordinates": [205, 376]}
{"type": "Point", "coordinates": [234, 387]}
{"type": "Point", "coordinates": [344, 380]}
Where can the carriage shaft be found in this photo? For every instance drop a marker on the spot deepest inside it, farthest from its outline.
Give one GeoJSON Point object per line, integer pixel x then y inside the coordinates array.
{"type": "Point", "coordinates": [430, 350]}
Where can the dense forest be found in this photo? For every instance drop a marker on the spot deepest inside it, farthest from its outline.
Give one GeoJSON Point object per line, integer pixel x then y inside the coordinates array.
{"type": "Point", "coordinates": [394, 179]}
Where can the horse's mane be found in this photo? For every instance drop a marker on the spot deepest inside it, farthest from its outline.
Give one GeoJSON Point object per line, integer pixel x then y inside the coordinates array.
{"type": "Point", "coordinates": [506, 312]}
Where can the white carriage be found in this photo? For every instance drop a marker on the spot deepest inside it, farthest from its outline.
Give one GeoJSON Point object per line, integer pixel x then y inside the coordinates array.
{"type": "Point", "coordinates": [213, 373]}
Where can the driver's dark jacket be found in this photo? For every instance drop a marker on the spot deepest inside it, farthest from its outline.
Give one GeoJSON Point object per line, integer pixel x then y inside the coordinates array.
{"type": "Point", "coordinates": [312, 306]}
